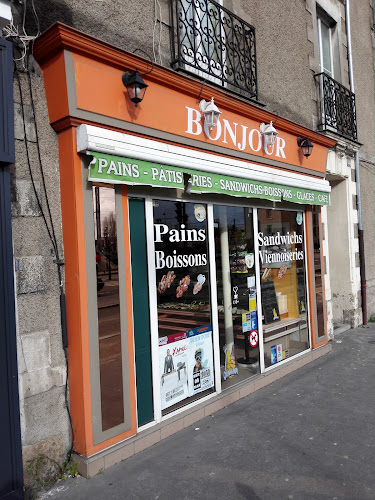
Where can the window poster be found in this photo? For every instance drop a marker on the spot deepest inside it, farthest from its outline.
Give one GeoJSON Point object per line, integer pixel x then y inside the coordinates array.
{"type": "Point", "coordinates": [181, 256]}
{"type": "Point", "coordinates": [186, 365]}
{"type": "Point", "coordinates": [173, 362]}
{"type": "Point", "coordinates": [201, 367]}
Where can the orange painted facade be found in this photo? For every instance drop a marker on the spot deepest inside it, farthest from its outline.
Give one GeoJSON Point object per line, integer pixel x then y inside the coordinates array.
{"type": "Point", "coordinates": [76, 300]}
{"type": "Point", "coordinates": [168, 110]}
{"type": "Point", "coordinates": [83, 85]}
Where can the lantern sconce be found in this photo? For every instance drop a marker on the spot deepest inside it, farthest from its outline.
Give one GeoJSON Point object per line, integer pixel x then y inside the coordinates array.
{"type": "Point", "coordinates": [269, 135]}
{"type": "Point", "coordinates": [188, 183]}
{"type": "Point", "coordinates": [210, 111]}
{"type": "Point", "coordinates": [135, 86]}
{"type": "Point", "coordinates": [305, 145]}
{"type": "Point", "coordinates": [134, 83]}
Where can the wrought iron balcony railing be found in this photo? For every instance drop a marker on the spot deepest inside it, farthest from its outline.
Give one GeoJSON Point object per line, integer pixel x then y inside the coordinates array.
{"type": "Point", "coordinates": [337, 107]}
{"type": "Point", "coordinates": [211, 42]}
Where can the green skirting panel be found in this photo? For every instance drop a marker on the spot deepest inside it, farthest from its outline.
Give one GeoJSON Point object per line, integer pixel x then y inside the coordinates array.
{"type": "Point", "coordinates": [145, 407]}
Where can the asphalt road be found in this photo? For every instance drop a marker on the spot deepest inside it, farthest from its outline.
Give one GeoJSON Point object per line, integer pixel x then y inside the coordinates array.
{"type": "Point", "coordinates": [310, 435]}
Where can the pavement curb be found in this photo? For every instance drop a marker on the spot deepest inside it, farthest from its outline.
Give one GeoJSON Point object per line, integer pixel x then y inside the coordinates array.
{"type": "Point", "coordinates": [90, 466]}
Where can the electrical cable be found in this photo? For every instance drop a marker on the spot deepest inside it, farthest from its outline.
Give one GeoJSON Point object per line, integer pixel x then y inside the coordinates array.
{"type": "Point", "coordinates": [160, 32]}
{"type": "Point", "coordinates": [24, 16]}
{"type": "Point", "coordinates": [29, 164]}
{"type": "Point", "coordinates": [12, 32]}
{"type": "Point", "coordinates": [40, 161]}
{"type": "Point", "coordinates": [53, 239]}
{"type": "Point", "coordinates": [71, 449]}
{"type": "Point", "coordinates": [36, 18]}
{"type": "Point", "coordinates": [153, 32]}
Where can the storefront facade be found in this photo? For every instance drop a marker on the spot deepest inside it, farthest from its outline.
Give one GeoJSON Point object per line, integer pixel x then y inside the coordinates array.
{"type": "Point", "coordinates": [194, 265]}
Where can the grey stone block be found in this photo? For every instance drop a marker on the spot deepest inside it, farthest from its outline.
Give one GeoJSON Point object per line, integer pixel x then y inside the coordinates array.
{"type": "Point", "coordinates": [24, 201]}
{"type": "Point", "coordinates": [19, 131]}
{"type": "Point", "coordinates": [34, 469]}
{"type": "Point", "coordinates": [45, 416]}
{"type": "Point", "coordinates": [31, 275]}
{"type": "Point", "coordinates": [20, 357]}
{"type": "Point", "coordinates": [39, 381]}
{"type": "Point", "coordinates": [36, 350]}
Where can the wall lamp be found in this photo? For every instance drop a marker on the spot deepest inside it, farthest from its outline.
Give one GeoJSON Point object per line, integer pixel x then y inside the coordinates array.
{"type": "Point", "coordinates": [135, 86]}
{"type": "Point", "coordinates": [305, 145]}
{"type": "Point", "coordinates": [134, 82]}
{"type": "Point", "coordinates": [188, 183]}
{"type": "Point", "coordinates": [269, 135]}
{"type": "Point", "coordinates": [210, 111]}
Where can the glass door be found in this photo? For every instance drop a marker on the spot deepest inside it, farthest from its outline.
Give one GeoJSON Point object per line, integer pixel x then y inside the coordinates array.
{"type": "Point", "coordinates": [185, 351]}
{"type": "Point", "coordinates": [236, 293]}
{"type": "Point", "coordinates": [281, 240]}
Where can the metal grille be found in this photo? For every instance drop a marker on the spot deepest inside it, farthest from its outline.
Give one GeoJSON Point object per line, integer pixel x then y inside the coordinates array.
{"type": "Point", "coordinates": [337, 107]}
{"type": "Point", "coordinates": [214, 44]}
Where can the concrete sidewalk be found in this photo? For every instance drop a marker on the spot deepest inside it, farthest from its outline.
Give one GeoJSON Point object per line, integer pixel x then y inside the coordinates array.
{"type": "Point", "coordinates": [309, 435]}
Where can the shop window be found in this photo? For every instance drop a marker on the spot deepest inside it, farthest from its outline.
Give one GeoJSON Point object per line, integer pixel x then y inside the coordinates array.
{"type": "Point", "coordinates": [283, 284]}
{"type": "Point", "coordinates": [183, 301]}
{"type": "Point", "coordinates": [236, 293]}
{"type": "Point", "coordinates": [108, 300]}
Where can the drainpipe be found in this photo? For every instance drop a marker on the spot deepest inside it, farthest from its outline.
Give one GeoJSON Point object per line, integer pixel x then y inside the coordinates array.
{"type": "Point", "coordinates": [358, 180]}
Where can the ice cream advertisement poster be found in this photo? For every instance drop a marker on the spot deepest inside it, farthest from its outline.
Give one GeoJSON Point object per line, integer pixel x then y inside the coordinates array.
{"type": "Point", "coordinates": [230, 363]}
{"type": "Point", "coordinates": [201, 367]}
{"type": "Point", "coordinates": [185, 364]}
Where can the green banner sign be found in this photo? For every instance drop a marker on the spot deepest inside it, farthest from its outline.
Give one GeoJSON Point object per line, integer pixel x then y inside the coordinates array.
{"type": "Point", "coordinates": [112, 169]}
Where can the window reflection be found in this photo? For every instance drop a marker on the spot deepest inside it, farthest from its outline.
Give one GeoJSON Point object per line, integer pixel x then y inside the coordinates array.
{"type": "Point", "coordinates": [236, 290]}
{"type": "Point", "coordinates": [183, 295]}
{"type": "Point", "coordinates": [282, 261]}
{"type": "Point", "coordinates": [111, 387]}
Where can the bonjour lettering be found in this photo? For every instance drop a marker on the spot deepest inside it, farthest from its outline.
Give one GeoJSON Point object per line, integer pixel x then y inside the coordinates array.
{"type": "Point", "coordinates": [240, 136]}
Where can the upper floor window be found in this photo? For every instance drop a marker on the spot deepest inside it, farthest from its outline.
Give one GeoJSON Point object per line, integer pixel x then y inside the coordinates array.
{"type": "Point", "coordinates": [336, 102]}
{"type": "Point", "coordinates": [325, 47]}
{"type": "Point", "coordinates": [328, 45]}
{"type": "Point", "coordinates": [215, 44]}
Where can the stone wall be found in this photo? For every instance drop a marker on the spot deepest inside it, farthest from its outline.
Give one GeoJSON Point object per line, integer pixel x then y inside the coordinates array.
{"type": "Point", "coordinates": [41, 360]}
{"type": "Point", "coordinates": [362, 21]}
